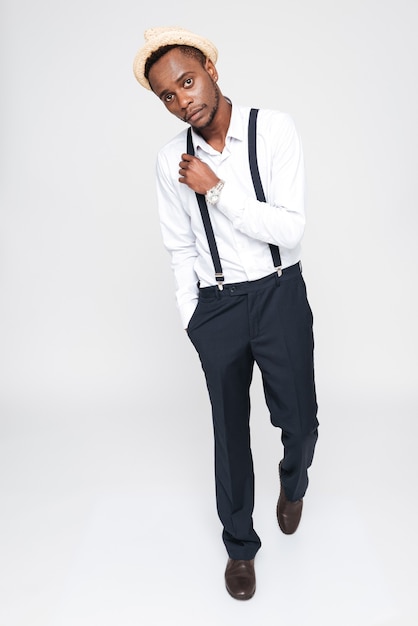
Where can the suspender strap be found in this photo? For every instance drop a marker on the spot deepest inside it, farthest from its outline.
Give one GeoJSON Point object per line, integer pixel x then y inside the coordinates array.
{"type": "Point", "coordinates": [207, 223]}
{"type": "Point", "coordinates": [255, 174]}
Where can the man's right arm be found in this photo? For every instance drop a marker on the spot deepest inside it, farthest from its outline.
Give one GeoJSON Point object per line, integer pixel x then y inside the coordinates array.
{"type": "Point", "coordinates": [178, 239]}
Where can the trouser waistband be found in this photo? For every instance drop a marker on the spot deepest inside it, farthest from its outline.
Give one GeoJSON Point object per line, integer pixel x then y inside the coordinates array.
{"type": "Point", "coordinates": [239, 289]}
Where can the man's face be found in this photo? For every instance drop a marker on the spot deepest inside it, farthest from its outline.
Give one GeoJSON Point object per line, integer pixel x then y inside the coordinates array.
{"type": "Point", "coordinates": [188, 90]}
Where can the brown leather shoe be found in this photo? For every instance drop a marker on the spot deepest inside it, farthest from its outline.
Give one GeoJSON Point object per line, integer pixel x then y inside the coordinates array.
{"type": "Point", "coordinates": [288, 513]}
{"type": "Point", "coordinates": [240, 579]}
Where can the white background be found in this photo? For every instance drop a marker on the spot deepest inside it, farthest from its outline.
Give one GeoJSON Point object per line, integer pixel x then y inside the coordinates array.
{"type": "Point", "coordinates": [106, 488]}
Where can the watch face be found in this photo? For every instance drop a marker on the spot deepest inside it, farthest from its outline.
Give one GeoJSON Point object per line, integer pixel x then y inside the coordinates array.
{"type": "Point", "coordinates": [213, 195]}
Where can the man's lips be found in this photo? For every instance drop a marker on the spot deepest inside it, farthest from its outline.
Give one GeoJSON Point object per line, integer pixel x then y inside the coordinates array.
{"type": "Point", "coordinates": [193, 114]}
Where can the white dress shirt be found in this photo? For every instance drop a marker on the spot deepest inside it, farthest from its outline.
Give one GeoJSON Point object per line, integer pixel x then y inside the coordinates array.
{"type": "Point", "coordinates": [243, 226]}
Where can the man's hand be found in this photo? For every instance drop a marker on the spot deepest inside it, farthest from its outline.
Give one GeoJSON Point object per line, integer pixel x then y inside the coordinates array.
{"type": "Point", "coordinates": [196, 174]}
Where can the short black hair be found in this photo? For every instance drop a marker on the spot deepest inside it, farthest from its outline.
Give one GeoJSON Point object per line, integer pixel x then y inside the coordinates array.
{"type": "Point", "coordinates": [189, 51]}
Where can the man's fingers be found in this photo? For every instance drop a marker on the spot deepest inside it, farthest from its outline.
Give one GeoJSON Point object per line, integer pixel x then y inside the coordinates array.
{"type": "Point", "coordinates": [188, 158]}
{"type": "Point", "coordinates": [187, 164]}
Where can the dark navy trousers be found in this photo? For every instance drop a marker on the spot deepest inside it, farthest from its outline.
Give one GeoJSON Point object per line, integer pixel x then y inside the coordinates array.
{"type": "Point", "coordinates": [268, 322]}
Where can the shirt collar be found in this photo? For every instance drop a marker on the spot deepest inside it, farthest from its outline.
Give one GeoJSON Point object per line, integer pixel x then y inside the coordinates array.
{"type": "Point", "coordinates": [235, 131]}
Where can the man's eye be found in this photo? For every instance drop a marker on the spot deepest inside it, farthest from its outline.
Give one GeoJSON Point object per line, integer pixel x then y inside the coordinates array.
{"type": "Point", "coordinates": [188, 82]}
{"type": "Point", "coordinates": [168, 97]}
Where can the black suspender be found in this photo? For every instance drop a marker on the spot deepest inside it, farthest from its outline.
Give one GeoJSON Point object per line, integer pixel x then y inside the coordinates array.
{"type": "Point", "coordinates": [255, 174]}
{"type": "Point", "coordinates": [207, 223]}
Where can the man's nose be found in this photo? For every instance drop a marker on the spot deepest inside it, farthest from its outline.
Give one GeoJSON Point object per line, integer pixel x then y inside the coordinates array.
{"type": "Point", "coordinates": [185, 100]}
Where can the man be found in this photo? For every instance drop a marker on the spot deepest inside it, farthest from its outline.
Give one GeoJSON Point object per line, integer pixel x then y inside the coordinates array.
{"type": "Point", "coordinates": [240, 291]}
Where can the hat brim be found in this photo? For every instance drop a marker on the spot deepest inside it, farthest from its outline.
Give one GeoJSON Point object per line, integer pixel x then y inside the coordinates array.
{"type": "Point", "coordinates": [167, 38]}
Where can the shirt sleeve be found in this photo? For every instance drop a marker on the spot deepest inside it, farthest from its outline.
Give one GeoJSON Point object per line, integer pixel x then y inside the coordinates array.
{"type": "Point", "coordinates": [280, 220]}
{"type": "Point", "coordinates": [179, 240]}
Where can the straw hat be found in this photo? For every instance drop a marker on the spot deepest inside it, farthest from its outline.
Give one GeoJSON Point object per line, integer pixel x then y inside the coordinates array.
{"type": "Point", "coordinates": [167, 36]}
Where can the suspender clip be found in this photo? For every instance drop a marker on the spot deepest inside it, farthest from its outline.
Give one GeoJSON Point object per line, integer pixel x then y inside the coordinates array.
{"type": "Point", "coordinates": [279, 270]}
{"type": "Point", "coordinates": [220, 279]}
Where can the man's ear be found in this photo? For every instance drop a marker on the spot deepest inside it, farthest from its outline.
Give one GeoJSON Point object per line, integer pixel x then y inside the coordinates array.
{"type": "Point", "coordinates": [211, 70]}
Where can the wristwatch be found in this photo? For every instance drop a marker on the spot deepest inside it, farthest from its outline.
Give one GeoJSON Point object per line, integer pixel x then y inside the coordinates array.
{"type": "Point", "coordinates": [212, 195]}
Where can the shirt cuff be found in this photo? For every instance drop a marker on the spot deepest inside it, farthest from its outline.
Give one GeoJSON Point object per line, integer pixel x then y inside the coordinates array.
{"type": "Point", "coordinates": [231, 203]}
